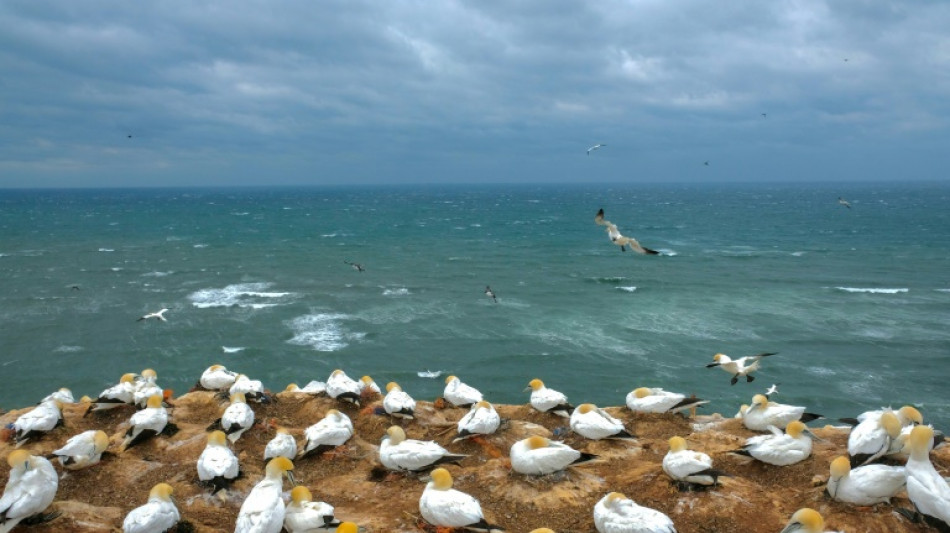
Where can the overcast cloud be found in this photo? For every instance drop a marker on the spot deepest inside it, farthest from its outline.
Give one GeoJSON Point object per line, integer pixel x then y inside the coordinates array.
{"type": "Point", "coordinates": [324, 92]}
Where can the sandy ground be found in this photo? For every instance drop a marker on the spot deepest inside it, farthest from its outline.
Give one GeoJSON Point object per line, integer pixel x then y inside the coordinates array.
{"type": "Point", "coordinates": [757, 498]}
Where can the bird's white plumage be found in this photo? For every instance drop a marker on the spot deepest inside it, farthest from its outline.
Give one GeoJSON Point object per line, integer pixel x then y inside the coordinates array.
{"type": "Point", "coordinates": [82, 450]}
{"type": "Point", "coordinates": [146, 387]}
{"type": "Point", "coordinates": [42, 418]}
{"type": "Point", "coordinates": [459, 394]}
{"type": "Point", "coordinates": [926, 488]}
{"type": "Point", "coordinates": [544, 399]}
{"type": "Point", "coordinates": [481, 419]}
{"type": "Point", "coordinates": [306, 516]}
{"type": "Point", "coordinates": [594, 423]}
{"type": "Point", "coordinates": [399, 403]}
{"type": "Point", "coordinates": [159, 514]}
{"type": "Point", "coordinates": [778, 448]}
{"type": "Point", "coordinates": [263, 510]}
{"type": "Point", "coordinates": [657, 400]}
{"type": "Point", "coordinates": [339, 385]}
{"type": "Point", "coordinates": [762, 413]}
{"type": "Point", "coordinates": [122, 393]}
{"type": "Point", "coordinates": [282, 445]}
{"type": "Point", "coordinates": [741, 367]}
{"type": "Point", "coordinates": [538, 456]}
{"type": "Point", "coordinates": [334, 429]}
{"type": "Point", "coordinates": [151, 418]}
{"type": "Point", "coordinates": [615, 513]}
{"type": "Point", "coordinates": [31, 487]}
{"type": "Point", "coordinates": [217, 377]}
{"type": "Point", "coordinates": [683, 464]}
{"type": "Point", "coordinates": [865, 485]}
{"type": "Point", "coordinates": [447, 507]}
{"type": "Point", "coordinates": [252, 389]}
{"type": "Point", "coordinates": [64, 395]}
{"type": "Point", "coordinates": [159, 315]}
{"type": "Point", "coordinates": [399, 453]}
{"type": "Point", "coordinates": [236, 419]}
{"type": "Point", "coordinates": [217, 460]}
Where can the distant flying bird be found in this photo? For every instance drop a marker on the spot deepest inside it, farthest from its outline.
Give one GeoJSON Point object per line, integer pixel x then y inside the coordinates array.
{"type": "Point", "coordinates": [772, 390]}
{"type": "Point", "coordinates": [620, 240]}
{"type": "Point", "coordinates": [706, 163]}
{"type": "Point", "coordinates": [74, 287]}
{"type": "Point", "coordinates": [764, 115]}
{"type": "Point", "coordinates": [844, 202]}
{"type": "Point", "coordinates": [595, 147]}
{"type": "Point", "coordinates": [490, 293]}
{"type": "Point", "coordinates": [356, 266]}
{"type": "Point", "coordinates": [158, 314]}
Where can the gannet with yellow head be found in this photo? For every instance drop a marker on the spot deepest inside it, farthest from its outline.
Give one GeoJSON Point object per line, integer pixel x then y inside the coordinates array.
{"type": "Point", "coordinates": [122, 393]}
{"type": "Point", "coordinates": [158, 514]}
{"type": "Point", "coordinates": [594, 423]}
{"type": "Point", "coordinates": [657, 400]}
{"type": "Point", "coordinates": [741, 367]}
{"type": "Point", "coordinates": [396, 452]}
{"type": "Point", "coordinates": [30, 488]}
{"type": "Point", "coordinates": [762, 413]}
{"type": "Point", "coordinates": [459, 394]}
{"type": "Point", "coordinates": [282, 445]}
{"type": "Point", "coordinates": [481, 419]}
{"type": "Point", "coordinates": [304, 515]}
{"type": "Point", "coordinates": [871, 438]}
{"type": "Point", "coordinates": [146, 423]}
{"type": "Point", "coordinates": [343, 387]}
{"type": "Point", "coordinates": [263, 510]}
{"type": "Point", "coordinates": [615, 513]}
{"type": "Point", "coordinates": [217, 378]}
{"type": "Point", "coordinates": [37, 421]}
{"type": "Point", "coordinates": [237, 418]}
{"type": "Point", "coordinates": [805, 520]}
{"type": "Point", "coordinates": [334, 429]}
{"type": "Point", "coordinates": [83, 450]}
{"type": "Point", "coordinates": [398, 403]}
{"type": "Point", "coordinates": [548, 400]}
{"type": "Point", "coordinates": [538, 456]}
{"type": "Point", "coordinates": [443, 506]}
{"type": "Point", "coordinates": [926, 488]}
{"type": "Point", "coordinates": [780, 449]}
{"type": "Point", "coordinates": [864, 485]}
{"type": "Point", "coordinates": [687, 466]}
{"type": "Point", "coordinates": [217, 465]}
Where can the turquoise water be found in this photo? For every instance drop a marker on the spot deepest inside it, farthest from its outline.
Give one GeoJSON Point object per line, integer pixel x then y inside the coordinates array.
{"type": "Point", "coordinates": [856, 301]}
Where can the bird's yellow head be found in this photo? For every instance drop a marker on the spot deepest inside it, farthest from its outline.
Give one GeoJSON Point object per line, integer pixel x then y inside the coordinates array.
{"type": "Point", "coordinates": [85, 399]}
{"type": "Point", "coordinates": [677, 444]}
{"type": "Point", "coordinates": [718, 357]}
{"type": "Point", "coordinates": [217, 438]}
{"type": "Point", "coordinates": [396, 434]}
{"type": "Point", "coordinates": [537, 442]}
{"type": "Point", "coordinates": [282, 431]}
{"type": "Point", "coordinates": [794, 429]}
{"type": "Point", "coordinates": [300, 494]}
{"type": "Point", "coordinates": [613, 498]}
{"type": "Point", "coordinates": [127, 378]}
{"type": "Point", "coordinates": [891, 424]}
{"type": "Point", "coordinates": [921, 437]}
{"type": "Point", "coordinates": [332, 412]}
{"type": "Point", "coordinates": [280, 466]}
{"type": "Point", "coordinates": [840, 467]}
{"type": "Point", "coordinates": [18, 458]}
{"type": "Point", "coordinates": [441, 479]}
{"type": "Point", "coordinates": [162, 491]}
{"type": "Point", "coordinates": [292, 387]}
{"type": "Point", "coordinates": [481, 404]}
{"type": "Point", "coordinates": [366, 380]}
{"type": "Point", "coordinates": [148, 373]}
{"type": "Point", "coordinates": [336, 372]}
{"type": "Point", "coordinates": [449, 379]}
{"type": "Point", "coordinates": [808, 520]}
{"type": "Point", "coordinates": [585, 408]}
{"type": "Point", "coordinates": [154, 401]}
{"type": "Point", "coordinates": [759, 400]}
{"type": "Point", "coordinates": [641, 392]}
{"type": "Point", "coordinates": [910, 414]}
{"type": "Point", "coordinates": [215, 368]}
{"type": "Point", "coordinates": [100, 441]}
{"type": "Point", "coordinates": [535, 384]}
{"type": "Point", "coordinates": [542, 530]}
{"type": "Point", "coordinates": [392, 385]}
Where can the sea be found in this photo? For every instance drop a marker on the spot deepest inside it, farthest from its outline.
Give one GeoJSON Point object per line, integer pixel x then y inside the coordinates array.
{"type": "Point", "coordinates": [854, 301]}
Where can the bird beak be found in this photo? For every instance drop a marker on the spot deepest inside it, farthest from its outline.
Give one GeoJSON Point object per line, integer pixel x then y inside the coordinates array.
{"type": "Point", "coordinates": [526, 389]}
{"type": "Point", "coordinates": [792, 527]}
{"type": "Point", "coordinates": [290, 477]}
{"type": "Point", "coordinates": [710, 365]}
{"type": "Point", "coordinates": [814, 437]}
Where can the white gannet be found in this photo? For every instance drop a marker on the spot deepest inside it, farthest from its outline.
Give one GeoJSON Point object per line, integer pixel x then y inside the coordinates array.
{"type": "Point", "coordinates": [396, 452]}
{"type": "Point", "coordinates": [595, 147]}
{"type": "Point", "coordinates": [343, 387]}
{"type": "Point", "coordinates": [805, 520]}
{"type": "Point", "coordinates": [30, 488]}
{"type": "Point", "coordinates": [313, 387]}
{"type": "Point", "coordinates": [217, 378]}
{"type": "Point", "coordinates": [158, 314]}
{"type": "Point", "coordinates": [252, 389]}
{"type": "Point", "coordinates": [743, 366]}
{"type": "Point", "coordinates": [146, 387]}
{"type": "Point", "coordinates": [657, 400]}
{"type": "Point", "coordinates": [864, 485]}
{"type": "Point", "coordinates": [304, 515]}
{"type": "Point", "coordinates": [37, 421]}
{"type": "Point", "coordinates": [217, 465]}
{"type": "Point", "coordinates": [122, 393]}
{"type": "Point", "coordinates": [481, 419]}
{"type": "Point", "coordinates": [282, 445]}
{"type": "Point", "coordinates": [157, 515]}
{"type": "Point", "coordinates": [263, 510]}
{"type": "Point", "coordinates": [926, 488]}
{"type": "Point", "coordinates": [398, 403]}
{"type": "Point", "coordinates": [459, 394]}
{"type": "Point", "coordinates": [689, 467]}
{"type": "Point", "coordinates": [538, 456]}
{"type": "Point", "coordinates": [772, 390]}
{"type": "Point", "coordinates": [762, 413]}
{"type": "Point", "coordinates": [237, 418]}
{"type": "Point", "coordinates": [368, 387]}
{"type": "Point", "coordinates": [82, 450]}
{"type": "Point", "coordinates": [334, 429]}
{"type": "Point", "coordinates": [146, 423]}
{"type": "Point", "coordinates": [897, 451]}
{"type": "Point", "coordinates": [615, 513]}
{"type": "Point", "coordinates": [844, 202]}
{"type": "Point", "coordinates": [780, 449]}
{"type": "Point", "coordinates": [871, 438]}
{"type": "Point", "coordinates": [594, 423]}
{"type": "Point", "coordinates": [443, 506]}
{"type": "Point", "coordinates": [490, 293]}
{"type": "Point", "coordinates": [548, 400]}
{"type": "Point", "coordinates": [64, 395]}
{"type": "Point", "coordinates": [620, 240]}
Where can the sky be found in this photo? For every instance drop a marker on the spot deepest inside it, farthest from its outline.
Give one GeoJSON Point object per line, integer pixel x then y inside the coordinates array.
{"type": "Point", "coordinates": [112, 93]}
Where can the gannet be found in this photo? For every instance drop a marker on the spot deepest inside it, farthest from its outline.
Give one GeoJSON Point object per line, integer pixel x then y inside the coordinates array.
{"type": "Point", "coordinates": [687, 466]}
{"type": "Point", "coordinates": [743, 366]}
{"type": "Point", "coordinates": [772, 390]}
{"type": "Point", "coordinates": [481, 419]}
{"type": "Point", "coordinates": [926, 488]}
{"type": "Point", "coordinates": [805, 520]}
{"type": "Point", "coordinates": [595, 147]}
{"type": "Point", "coordinates": [615, 513]}
{"type": "Point", "coordinates": [313, 387]}
{"type": "Point", "coordinates": [334, 429]}
{"type": "Point", "coordinates": [146, 423]}
{"type": "Point", "coordinates": [865, 485]}
{"type": "Point", "coordinates": [594, 423]}
{"type": "Point", "coordinates": [657, 400]}
{"type": "Point", "coordinates": [396, 452]}
{"type": "Point", "coordinates": [217, 378]}
{"type": "Point", "coordinates": [282, 445]}
{"type": "Point", "coordinates": [146, 387]}
{"type": "Point", "coordinates": [122, 393]}
{"type": "Point", "coordinates": [443, 506]}
{"type": "Point", "coordinates": [459, 394]}
{"type": "Point", "coordinates": [237, 418]}
{"type": "Point", "coordinates": [30, 488]}
{"type": "Point", "coordinates": [356, 266]}
{"type": "Point", "coordinates": [157, 515]}
{"type": "Point", "coordinates": [398, 403]}
{"type": "Point", "coordinates": [871, 438]}
{"type": "Point", "coordinates": [896, 450]}
{"type": "Point", "coordinates": [620, 240]}
{"type": "Point", "coordinates": [263, 510]}
{"type": "Point", "coordinates": [490, 293]}
{"type": "Point", "coordinates": [368, 387]}
{"type": "Point", "coordinates": [304, 515]}
{"type": "Point", "coordinates": [780, 449]}
{"type": "Point", "coordinates": [538, 456]}
{"type": "Point", "coordinates": [343, 387]}
{"type": "Point", "coordinates": [762, 413]}
{"type": "Point", "coordinates": [37, 421]}
{"type": "Point", "coordinates": [842, 201]}
{"type": "Point", "coordinates": [252, 389]}
{"type": "Point", "coordinates": [64, 395]}
{"type": "Point", "coordinates": [548, 400]}
{"type": "Point", "coordinates": [82, 450]}
{"type": "Point", "coordinates": [217, 465]}
{"type": "Point", "coordinates": [158, 314]}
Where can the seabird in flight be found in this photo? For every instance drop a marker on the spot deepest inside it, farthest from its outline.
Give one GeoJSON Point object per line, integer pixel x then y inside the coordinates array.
{"type": "Point", "coordinates": [158, 314]}
{"type": "Point", "coordinates": [620, 240]}
{"type": "Point", "coordinates": [490, 293]}
{"type": "Point", "coordinates": [356, 266]}
{"type": "Point", "coordinates": [595, 147]}
{"type": "Point", "coordinates": [844, 202]}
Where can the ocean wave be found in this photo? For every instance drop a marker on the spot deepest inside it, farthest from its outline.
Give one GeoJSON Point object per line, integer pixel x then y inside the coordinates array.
{"type": "Point", "coordinates": [401, 291]}
{"type": "Point", "coordinates": [200, 245]}
{"type": "Point", "coordinates": [232, 349]}
{"type": "Point", "coordinates": [323, 332]}
{"type": "Point", "coordinates": [942, 290]}
{"type": "Point", "coordinates": [68, 349]}
{"type": "Point", "coordinates": [106, 249]}
{"type": "Point", "coordinates": [667, 252]}
{"type": "Point", "coordinates": [627, 289]}
{"type": "Point", "coordinates": [157, 274]}
{"type": "Point", "coordinates": [607, 279]}
{"type": "Point", "coordinates": [872, 290]}
{"type": "Point", "coordinates": [238, 295]}
{"type": "Point", "coordinates": [429, 373]}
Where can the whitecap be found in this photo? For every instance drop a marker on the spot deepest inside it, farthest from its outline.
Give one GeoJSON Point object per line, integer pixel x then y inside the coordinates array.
{"type": "Point", "coordinates": [68, 349]}
{"type": "Point", "coordinates": [401, 291]}
{"type": "Point", "coordinates": [116, 269]}
{"type": "Point", "coordinates": [667, 252]}
{"type": "Point", "coordinates": [232, 349]}
{"type": "Point", "coordinates": [323, 332]}
{"type": "Point", "coordinates": [106, 249]}
{"type": "Point", "coordinates": [872, 290]}
{"type": "Point", "coordinates": [241, 214]}
{"type": "Point", "coordinates": [429, 373]}
{"type": "Point", "coordinates": [942, 290]}
{"type": "Point", "coordinates": [627, 289]}
{"type": "Point", "coordinates": [798, 254]}
{"type": "Point", "coordinates": [156, 274]}
{"type": "Point", "coordinates": [248, 295]}
{"type": "Point", "coordinates": [199, 245]}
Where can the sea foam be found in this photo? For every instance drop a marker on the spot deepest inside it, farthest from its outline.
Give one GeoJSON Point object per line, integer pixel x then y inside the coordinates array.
{"type": "Point", "coordinates": [871, 290]}
{"type": "Point", "coordinates": [250, 295]}
{"type": "Point", "coordinates": [323, 332]}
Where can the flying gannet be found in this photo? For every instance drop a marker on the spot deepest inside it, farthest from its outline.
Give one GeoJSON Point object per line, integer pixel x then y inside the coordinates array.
{"type": "Point", "coordinates": [743, 366]}
{"type": "Point", "coordinates": [160, 315]}
{"type": "Point", "coordinates": [620, 240]}
{"type": "Point", "coordinates": [596, 147]}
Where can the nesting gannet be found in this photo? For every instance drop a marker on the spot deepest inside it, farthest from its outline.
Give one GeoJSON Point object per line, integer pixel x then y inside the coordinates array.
{"type": "Point", "coordinates": [871, 438]}
{"type": "Point", "coordinates": [304, 515]}
{"type": "Point", "coordinates": [459, 394]}
{"type": "Point", "coordinates": [368, 387]}
{"type": "Point", "coordinates": [217, 378]}
{"type": "Point", "coordinates": [82, 450]}
{"type": "Point", "coordinates": [780, 449]}
{"type": "Point", "coordinates": [122, 393]}
{"type": "Point", "coordinates": [313, 387]}
{"type": "Point", "coordinates": [263, 510]}
{"type": "Point", "coordinates": [805, 520]}
{"type": "Point", "coordinates": [443, 506]}
{"type": "Point", "coordinates": [64, 395]}
{"type": "Point", "coordinates": [398, 403]}
{"type": "Point", "coordinates": [763, 413]}
{"type": "Point", "coordinates": [657, 400]}
{"type": "Point", "coordinates": [157, 515]}
{"type": "Point", "coordinates": [334, 429]}
{"type": "Point", "coordinates": [620, 240]}
{"type": "Point", "coordinates": [237, 418]}
{"type": "Point", "coordinates": [548, 400]}
{"type": "Point", "coordinates": [282, 445]}
{"type": "Point", "coordinates": [396, 452]}
{"type": "Point", "coordinates": [30, 488]}
{"type": "Point", "coordinates": [897, 451]}
{"type": "Point", "coordinates": [595, 147]}
{"type": "Point", "coordinates": [615, 513]}
{"type": "Point", "coordinates": [926, 488]}
{"type": "Point", "coordinates": [217, 465]}
{"type": "Point", "coordinates": [538, 456]}
{"type": "Point", "coordinates": [36, 422]}
{"type": "Point", "coordinates": [594, 423]}
{"type": "Point", "coordinates": [252, 389]}
{"type": "Point", "coordinates": [687, 466]}
{"type": "Point", "coordinates": [146, 423]}
{"type": "Point", "coordinates": [743, 366]}
{"type": "Point", "coordinates": [146, 387]}
{"type": "Point", "coordinates": [158, 314]}
{"type": "Point", "coordinates": [865, 485]}
{"type": "Point", "coordinates": [481, 419]}
{"type": "Point", "coordinates": [356, 266]}
{"type": "Point", "coordinates": [842, 201]}
{"type": "Point", "coordinates": [490, 293]}
{"type": "Point", "coordinates": [343, 387]}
